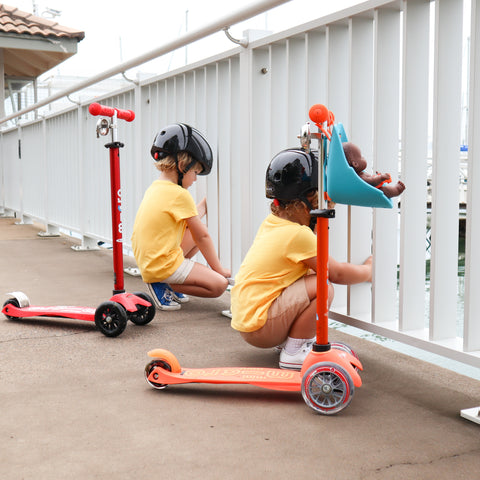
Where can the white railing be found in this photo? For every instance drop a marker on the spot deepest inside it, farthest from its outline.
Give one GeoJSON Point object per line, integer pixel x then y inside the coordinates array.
{"type": "Point", "coordinates": [390, 71]}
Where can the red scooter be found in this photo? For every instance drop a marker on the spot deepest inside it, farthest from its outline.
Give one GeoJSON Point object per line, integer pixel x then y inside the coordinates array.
{"type": "Point", "coordinates": [111, 316]}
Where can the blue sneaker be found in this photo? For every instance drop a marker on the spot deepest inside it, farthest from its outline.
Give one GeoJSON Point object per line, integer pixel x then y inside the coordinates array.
{"type": "Point", "coordinates": [179, 297]}
{"type": "Point", "coordinates": [162, 295]}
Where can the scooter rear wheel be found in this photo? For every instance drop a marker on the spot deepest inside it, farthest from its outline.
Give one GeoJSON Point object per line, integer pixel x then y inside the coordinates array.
{"type": "Point", "coordinates": [149, 369]}
{"type": "Point", "coordinates": [15, 303]}
{"type": "Point", "coordinates": [327, 388]}
{"type": "Point", "coordinates": [111, 318]}
{"type": "Point", "coordinates": [144, 314]}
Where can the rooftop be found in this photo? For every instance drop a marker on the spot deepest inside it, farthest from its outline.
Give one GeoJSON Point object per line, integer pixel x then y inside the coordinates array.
{"type": "Point", "coordinates": [31, 46]}
{"type": "Point", "coordinates": [13, 20]}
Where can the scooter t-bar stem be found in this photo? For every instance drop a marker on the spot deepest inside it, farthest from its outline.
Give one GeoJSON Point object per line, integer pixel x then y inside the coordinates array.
{"type": "Point", "coordinates": [97, 109]}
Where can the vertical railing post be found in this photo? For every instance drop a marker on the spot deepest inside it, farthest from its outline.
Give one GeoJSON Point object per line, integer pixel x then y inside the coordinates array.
{"type": "Point", "coordinates": [414, 134]}
{"type": "Point", "coordinates": [445, 167]}
{"type": "Point", "coordinates": [385, 154]}
{"type": "Point", "coordinates": [471, 338]}
{"type": "Point", "coordinates": [360, 132]}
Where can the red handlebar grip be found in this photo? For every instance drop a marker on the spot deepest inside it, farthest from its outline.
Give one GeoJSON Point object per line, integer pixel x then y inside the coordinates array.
{"type": "Point", "coordinates": [97, 109]}
{"type": "Point", "coordinates": [318, 113]}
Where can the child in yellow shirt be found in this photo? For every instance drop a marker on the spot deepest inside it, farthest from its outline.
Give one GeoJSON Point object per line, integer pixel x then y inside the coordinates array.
{"type": "Point", "coordinates": [274, 298]}
{"type": "Point", "coordinates": [168, 231]}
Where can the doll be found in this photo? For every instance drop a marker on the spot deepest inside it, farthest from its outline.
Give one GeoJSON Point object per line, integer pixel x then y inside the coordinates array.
{"type": "Point", "coordinates": [358, 163]}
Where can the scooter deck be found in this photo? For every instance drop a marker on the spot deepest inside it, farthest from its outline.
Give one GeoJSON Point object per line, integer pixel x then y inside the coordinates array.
{"type": "Point", "coordinates": [79, 313]}
{"type": "Point", "coordinates": [271, 378]}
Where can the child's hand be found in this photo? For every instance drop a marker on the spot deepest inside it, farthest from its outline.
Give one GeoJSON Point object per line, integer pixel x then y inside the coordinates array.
{"type": "Point", "coordinates": [225, 272]}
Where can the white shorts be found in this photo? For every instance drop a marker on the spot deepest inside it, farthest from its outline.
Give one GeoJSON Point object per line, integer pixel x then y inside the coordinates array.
{"type": "Point", "coordinates": [179, 276]}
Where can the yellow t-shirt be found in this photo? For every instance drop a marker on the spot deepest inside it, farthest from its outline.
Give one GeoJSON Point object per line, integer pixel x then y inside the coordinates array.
{"type": "Point", "coordinates": [274, 261]}
{"type": "Point", "coordinates": [159, 228]}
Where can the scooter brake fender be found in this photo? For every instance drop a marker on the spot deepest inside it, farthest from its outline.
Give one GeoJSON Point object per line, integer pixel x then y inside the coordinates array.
{"type": "Point", "coordinates": [129, 301]}
{"type": "Point", "coordinates": [21, 298]}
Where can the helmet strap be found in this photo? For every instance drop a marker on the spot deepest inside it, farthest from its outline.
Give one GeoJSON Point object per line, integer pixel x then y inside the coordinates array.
{"type": "Point", "coordinates": [180, 173]}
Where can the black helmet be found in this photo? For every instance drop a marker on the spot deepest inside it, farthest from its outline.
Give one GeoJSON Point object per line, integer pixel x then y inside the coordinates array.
{"type": "Point", "coordinates": [291, 175]}
{"type": "Point", "coordinates": [179, 137]}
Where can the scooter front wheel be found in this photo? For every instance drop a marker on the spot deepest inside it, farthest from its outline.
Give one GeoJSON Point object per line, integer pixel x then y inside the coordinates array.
{"type": "Point", "coordinates": [144, 314]}
{"type": "Point", "coordinates": [327, 388]}
{"type": "Point", "coordinates": [111, 318]}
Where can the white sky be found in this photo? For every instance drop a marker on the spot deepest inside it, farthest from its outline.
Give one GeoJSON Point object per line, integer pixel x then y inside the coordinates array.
{"type": "Point", "coordinates": [120, 30]}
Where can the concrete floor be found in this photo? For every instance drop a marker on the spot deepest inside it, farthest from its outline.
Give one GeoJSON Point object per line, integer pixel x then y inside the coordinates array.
{"type": "Point", "coordinates": [74, 403]}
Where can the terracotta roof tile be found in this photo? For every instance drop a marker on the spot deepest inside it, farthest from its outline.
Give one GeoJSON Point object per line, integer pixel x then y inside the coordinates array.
{"type": "Point", "coordinates": [13, 20]}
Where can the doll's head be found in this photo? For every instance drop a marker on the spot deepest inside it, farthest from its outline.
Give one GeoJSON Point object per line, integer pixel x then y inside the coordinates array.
{"type": "Point", "coordinates": [354, 157]}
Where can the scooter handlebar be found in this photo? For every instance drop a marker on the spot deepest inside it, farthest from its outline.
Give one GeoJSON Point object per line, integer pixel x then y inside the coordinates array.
{"type": "Point", "coordinates": [97, 109]}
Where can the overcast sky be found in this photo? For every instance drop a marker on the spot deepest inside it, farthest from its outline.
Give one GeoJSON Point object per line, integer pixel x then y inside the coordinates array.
{"type": "Point", "coordinates": [119, 30]}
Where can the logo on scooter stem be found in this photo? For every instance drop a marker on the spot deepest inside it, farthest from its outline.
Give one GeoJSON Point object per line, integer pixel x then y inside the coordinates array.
{"type": "Point", "coordinates": [119, 206]}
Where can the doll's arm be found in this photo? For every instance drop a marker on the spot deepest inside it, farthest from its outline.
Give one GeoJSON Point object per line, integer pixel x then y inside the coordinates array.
{"type": "Point", "coordinates": [375, 180]}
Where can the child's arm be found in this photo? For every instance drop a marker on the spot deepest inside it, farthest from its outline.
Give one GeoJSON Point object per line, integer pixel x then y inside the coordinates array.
{"type": "Point", "coordinates": [205, 244]}
{"type": "Point", "coordinates": [344, 273]}
{"type": "Point", "coordinates": [311, 263]}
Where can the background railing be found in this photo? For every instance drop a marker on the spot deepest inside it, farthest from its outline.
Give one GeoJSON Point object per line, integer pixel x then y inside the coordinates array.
{"type": "Point", "coordinates": [394, 73]}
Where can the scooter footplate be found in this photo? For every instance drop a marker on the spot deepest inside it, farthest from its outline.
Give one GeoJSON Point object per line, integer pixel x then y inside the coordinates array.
{"type": "Point", "coordinates": [271, 378]}
{"type": "Point", "coordinates": [79, 313]}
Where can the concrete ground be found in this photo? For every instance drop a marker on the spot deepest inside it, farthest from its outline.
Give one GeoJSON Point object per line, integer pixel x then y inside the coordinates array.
{"type": "Point", "coordinates": [74, 403]}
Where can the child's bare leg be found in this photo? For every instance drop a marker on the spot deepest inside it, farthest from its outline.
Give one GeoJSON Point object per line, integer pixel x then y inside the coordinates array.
{"type": "Point", "coordinates": [188, 244]}
{"type": "Point", "coordinates": [202, 281]}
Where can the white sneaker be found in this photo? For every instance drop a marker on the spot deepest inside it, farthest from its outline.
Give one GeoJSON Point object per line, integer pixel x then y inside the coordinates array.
{"type": "Point", "coordinates": [295, 361]}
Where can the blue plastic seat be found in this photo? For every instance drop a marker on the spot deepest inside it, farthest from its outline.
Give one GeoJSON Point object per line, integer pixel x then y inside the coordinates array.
{"type": "Point", "coordinates": [343, 184]}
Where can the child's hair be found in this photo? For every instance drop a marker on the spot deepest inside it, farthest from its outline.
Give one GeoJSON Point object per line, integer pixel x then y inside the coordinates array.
{"type": "Point", "coordinates": [292, 208]}
{"type": "Point", "coordinates": [184, 160]}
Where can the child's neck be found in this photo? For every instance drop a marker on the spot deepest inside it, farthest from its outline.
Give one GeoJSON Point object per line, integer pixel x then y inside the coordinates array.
{"type": "Point", "coordinates": [169, 176]}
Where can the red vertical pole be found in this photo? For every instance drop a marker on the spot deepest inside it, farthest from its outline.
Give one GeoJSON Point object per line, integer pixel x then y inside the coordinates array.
{"type": "Point", "coordinates": [116, 203]}
{"type": "Point", "coordinates": [322, 281]}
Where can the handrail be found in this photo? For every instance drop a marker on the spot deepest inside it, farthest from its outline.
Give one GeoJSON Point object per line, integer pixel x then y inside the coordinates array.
{"type": "Point", "coordinates": [189, 37]}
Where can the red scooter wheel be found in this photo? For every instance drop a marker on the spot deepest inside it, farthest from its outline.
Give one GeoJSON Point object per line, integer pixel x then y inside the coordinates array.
{"type": "Point", "coordinates": [111, 318]}
{"type": "Point", "coordinates": [144, 314]}
{"type": "Point", "coordinates": [11, 301]}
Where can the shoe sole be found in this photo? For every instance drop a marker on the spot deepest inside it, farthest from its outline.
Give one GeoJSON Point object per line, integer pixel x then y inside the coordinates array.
{"type": "Point", "coordinates": [290, 366]}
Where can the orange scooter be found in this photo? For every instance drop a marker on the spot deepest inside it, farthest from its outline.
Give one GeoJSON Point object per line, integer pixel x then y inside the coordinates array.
{"type": "Point", "coordinates": [329, 374]}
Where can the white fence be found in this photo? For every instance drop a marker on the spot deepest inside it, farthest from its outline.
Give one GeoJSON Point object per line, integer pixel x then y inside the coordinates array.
{"type": "Point", "coordinates": [391, 71]}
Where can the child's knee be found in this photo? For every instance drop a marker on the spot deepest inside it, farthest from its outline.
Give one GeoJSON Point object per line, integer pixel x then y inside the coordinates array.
{"type": "Point", "coordinates": [220, 286]}
{"type": "Point", "coordinates": [331, 293]}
